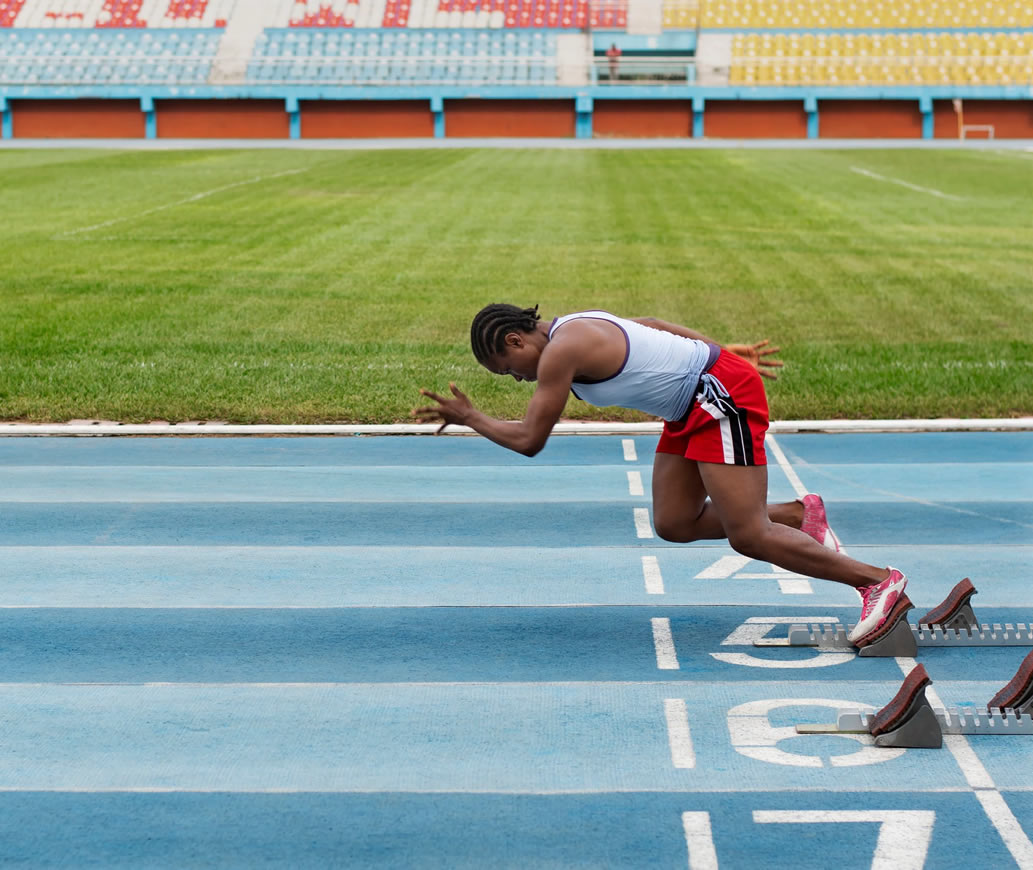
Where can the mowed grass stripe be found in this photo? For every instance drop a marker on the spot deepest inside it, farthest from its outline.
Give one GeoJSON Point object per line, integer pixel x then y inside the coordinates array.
{"type": "Point", "coordinates": [332, 294]}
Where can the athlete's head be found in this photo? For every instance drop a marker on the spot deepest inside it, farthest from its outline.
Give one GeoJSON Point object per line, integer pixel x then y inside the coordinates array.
{"type": "Point", "coordinates": [506, 340]}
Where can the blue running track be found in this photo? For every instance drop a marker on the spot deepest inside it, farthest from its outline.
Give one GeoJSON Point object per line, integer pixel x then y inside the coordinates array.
{"type": "Point", "coordinates": [434, 653]}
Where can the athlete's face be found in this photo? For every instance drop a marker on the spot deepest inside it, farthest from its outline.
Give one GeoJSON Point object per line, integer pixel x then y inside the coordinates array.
{"type": "Point", "coordinates": [518, 358]}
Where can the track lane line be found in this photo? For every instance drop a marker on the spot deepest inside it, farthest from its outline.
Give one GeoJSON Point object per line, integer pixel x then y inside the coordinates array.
{"type": "Point", "coordinates": [976, 775]}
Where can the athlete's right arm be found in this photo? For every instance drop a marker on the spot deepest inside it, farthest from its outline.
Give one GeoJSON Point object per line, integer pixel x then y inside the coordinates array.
{"type": "Point", "coordinates": [556, 370]}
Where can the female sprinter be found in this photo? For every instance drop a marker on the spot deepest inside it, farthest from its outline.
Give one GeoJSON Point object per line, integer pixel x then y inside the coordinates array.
{"type": "Point", "coordinates": [709, 475]}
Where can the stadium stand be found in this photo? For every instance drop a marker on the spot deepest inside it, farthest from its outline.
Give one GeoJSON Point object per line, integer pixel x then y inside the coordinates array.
{"type": "Point", "coordinates": [755, 14]}
{"type": "Point", "coordinates": [404, 56]}
{"type": "Point", "coordinates": [680, 14]}
{"type": "Point", "coordinates": [882, 58]}
{"type": "Point", "coordinates": [267, 63]}
{"type": "Point", "coordinates": [107, 56]}
{"type": "Point", "coordinates": [65, 42]}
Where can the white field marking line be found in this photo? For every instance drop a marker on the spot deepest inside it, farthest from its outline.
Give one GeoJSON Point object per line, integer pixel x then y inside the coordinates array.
{"type": "Point", "coordinates": [675, 789]}
{"type": "Point", "coordinates": [723, 568]}
{"type": "Point", "coordinates": [635, 483]}
{"type": "Point", "coordinates": [924, 502]}
{"type": "Point", "coordinates": [1018, 424]}
{"type": "Point", "coordinates": [787, 469]}
{"type": "Point", "coordinates": [904, 835]}
{"type": "Point", "coordinates": [652, 576]}
{"type": "Point", "coordinates": [700, 841]}
{"type": "Point", "coordinates": [792, 586]}
{"type": "Point", "coordinates": [663, 641]}
{"type": "Point", "coordinates": [643, 528]}
{"type": "Point", "coordinates": [195, 198]}
{"type": "Point", "coordinates": [683, 756]}
{"type": "Point", "coordinates": [630, 455]}
{"type": "Point", "coordinates": [978, 777]}
{"type": "Point", "coordinates": [930, 190]}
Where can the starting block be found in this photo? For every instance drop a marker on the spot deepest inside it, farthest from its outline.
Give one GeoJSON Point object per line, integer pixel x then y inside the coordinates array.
{"type": "Point", "coordinates": [910, 721]}
{"type": "Point", "coordinates": [950, 623]}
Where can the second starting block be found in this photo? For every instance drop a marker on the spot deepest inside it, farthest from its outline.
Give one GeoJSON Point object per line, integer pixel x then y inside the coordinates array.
{"type": "Point", "coordinates": [909, 720]}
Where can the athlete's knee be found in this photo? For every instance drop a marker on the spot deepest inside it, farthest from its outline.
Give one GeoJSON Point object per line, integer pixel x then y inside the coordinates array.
{"type": "Point", "coordinates": [676, 530]}
{"type": "Point", "coordinates": [749, 539]}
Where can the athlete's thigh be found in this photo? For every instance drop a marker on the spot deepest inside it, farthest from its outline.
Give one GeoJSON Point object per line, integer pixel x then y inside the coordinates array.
{"type": "Point", "coordinates": [678, 490]}
{"type": "Point", "coordinates": [739, 494]}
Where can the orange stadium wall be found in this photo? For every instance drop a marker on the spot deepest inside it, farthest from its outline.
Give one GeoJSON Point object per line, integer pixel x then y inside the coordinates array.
{"type": "Point", "coordinates": [320, 119]}
{"type": "Point", "coordinates": [338, 119]}
{"type": "Point", "coordinates": [77, 119]}
{"type": "Point", "coordinates": [519, 118]}
{"type": "Point", "coordinates": [869, 119]}
{"type": "Point", "coordinates": [222, 119]}
{"type": "Point", "coordinates": [1011, 119]}
{"type": "Point", "coordinates": [661, 119]}
{"type": "Point", "coordinates": [763, 119]}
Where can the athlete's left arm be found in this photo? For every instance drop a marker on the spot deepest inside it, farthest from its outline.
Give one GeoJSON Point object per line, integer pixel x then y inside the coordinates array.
{"type": "Point", "coordinates": [755, 354]}
{"type": "Point", "coordinates": [556, 371]}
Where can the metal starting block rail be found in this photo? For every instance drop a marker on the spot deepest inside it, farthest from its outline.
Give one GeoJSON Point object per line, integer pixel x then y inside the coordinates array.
{"type": "Point", "coordinates": [952, 623]}
{"type": "Point", "coordinates": [910, 721]}
{"type": "Point", "coordinates": [953, 720]}
{"type": "Point", "coordinates": [834, 636]}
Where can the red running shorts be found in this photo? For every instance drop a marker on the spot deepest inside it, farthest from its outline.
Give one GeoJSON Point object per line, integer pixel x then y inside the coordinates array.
{"type": "Point", "coordinates": [727, 419]}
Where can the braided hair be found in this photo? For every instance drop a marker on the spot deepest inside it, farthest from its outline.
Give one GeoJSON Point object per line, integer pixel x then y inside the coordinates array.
{"type": "Point", "coordinates": [493, 322]}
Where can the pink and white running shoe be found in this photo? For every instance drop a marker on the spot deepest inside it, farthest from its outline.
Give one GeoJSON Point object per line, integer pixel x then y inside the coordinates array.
{"type": "Point", "coordinates": [877, 601]}
{"type": "Point", "coordinates": [815, 524]}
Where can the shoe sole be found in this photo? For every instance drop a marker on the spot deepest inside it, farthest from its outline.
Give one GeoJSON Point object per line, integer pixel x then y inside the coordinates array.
{"type": "Point", "coordinates": [901, 586]}
{"type": "Point", "coordinates": [901, 606]}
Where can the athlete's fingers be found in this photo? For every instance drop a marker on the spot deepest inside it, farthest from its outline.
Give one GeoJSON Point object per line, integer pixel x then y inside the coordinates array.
{"type": "Point", "coordinates": [456, 391]}
{"type": "Point", "coordinates": [433, 396]}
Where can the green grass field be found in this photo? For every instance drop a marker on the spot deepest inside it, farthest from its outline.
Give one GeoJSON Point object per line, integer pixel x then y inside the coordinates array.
{"type": "Point", "coordinates": [212, 285]}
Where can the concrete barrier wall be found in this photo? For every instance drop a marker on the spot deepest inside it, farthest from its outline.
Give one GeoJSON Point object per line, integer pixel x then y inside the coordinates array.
{"type": "Point", "coordinates": [504, 118]}
{"type": "Point", "coordinates": [77, 119]}
{"type": "Point", "coordinates": [245, 118]}
{"type": "Point", "coordinates": [374, 119]}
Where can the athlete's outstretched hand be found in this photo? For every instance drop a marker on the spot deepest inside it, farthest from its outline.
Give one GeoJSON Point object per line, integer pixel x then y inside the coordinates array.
{"type": "Point", "coordinates": [756, 355]}
{"type": "Point", "coordinates": [447, 411]}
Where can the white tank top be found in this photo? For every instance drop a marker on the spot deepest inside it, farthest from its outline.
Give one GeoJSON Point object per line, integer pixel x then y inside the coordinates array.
{"type": "Point", "coordinates": [660, 370]}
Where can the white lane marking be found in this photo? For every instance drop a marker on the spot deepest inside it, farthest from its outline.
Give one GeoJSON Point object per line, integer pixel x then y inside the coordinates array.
{"type": "Point", "coordinates": [753, 734]}
{"type": "Point", "coordinates": [757, 627]}
{"type": "Point", "coordinates": [643, 528]}
{"type": "Point", "coordinates": [932, 191]}
{"type": "Point", "coordinates": [700, 841]}
{"type": "Point", "coordinates": [663, 642]}
{"type": "Point", "coordinates": [787, 469]}
{"type": "Point", "coordinates": [822, 659]}
{"type": "Point", "coordinates": [724, 567]}
{"type": "Point", "coordinates": [976, 775]}
{"type": "Point", "coordinates": [795, 586]}
{"type": "Point", "coordinates": [683, 756]}
{"type": "Point", "coordinates": [197, 196]}
{"type": "Point", "coordinates": [629, 450]}
{"type": "Point", "coordinates": [904, 835]}
{"type": "Point", "coordinates": [1007, 825]}
{"type": "Point", "coordinates": [651, 574]}
{"type": "Point", "coordinates": [635, 483]}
